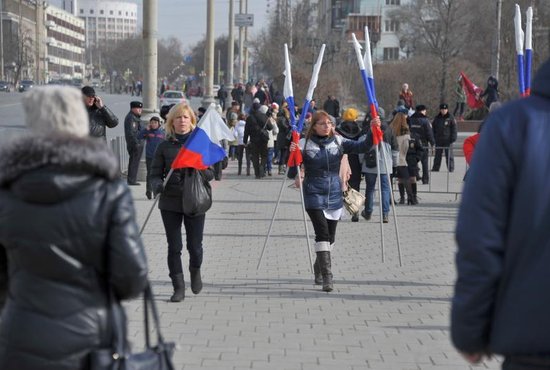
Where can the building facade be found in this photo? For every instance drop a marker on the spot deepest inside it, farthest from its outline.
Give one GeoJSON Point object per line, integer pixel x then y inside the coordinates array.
{"type": "Point", "coordinates": [66, 41]}
{"type": "Point", "coordinates": [107, 21]}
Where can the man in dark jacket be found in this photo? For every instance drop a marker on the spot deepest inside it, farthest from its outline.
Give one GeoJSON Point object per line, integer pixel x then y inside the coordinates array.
{"type": "Point", "coordinates": [421, 129]}
{"type": "Point", "coordinates": [68, 232]}
{"type": "Point", "coordinates": [99, 115]}
{"type": "Point", "coordinates": [256, 122]}
{"type": "Point", "coordinates": [444, 130]}
{"type": "Point", "coordinates": [502, 292]}
{"type": "Point", "coordinates": [222, 95]}
{"type": "Point", "coordinates": [332, 106]}
{"type": "Point", "coordinates": [237, 94]}
{"type": "Point", "coordinates": [134, 145]}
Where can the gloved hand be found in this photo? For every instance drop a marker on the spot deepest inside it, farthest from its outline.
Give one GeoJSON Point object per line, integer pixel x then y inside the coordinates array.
{"type": "Point", "coordinates": [158, 189]}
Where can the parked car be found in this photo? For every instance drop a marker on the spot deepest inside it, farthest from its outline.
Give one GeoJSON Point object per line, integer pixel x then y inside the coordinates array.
{"type": "Point", "coordinates": [4, 86]}
{"type": "Point", "coordinates": [25, 85]}
{"type": "Point", "coordinates": [172, 97]}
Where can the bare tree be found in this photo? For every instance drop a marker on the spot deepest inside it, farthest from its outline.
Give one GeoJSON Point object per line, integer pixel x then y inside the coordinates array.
{"type": "Point", "coordinates": [436, 27]}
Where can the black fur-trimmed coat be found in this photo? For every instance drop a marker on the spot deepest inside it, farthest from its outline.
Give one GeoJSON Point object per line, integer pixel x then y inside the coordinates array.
{"type": "Point", "coordinates": [65, 220]}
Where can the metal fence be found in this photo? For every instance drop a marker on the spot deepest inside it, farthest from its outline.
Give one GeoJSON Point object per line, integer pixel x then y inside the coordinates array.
{"type": "Point", "coordinates": [118, 146]}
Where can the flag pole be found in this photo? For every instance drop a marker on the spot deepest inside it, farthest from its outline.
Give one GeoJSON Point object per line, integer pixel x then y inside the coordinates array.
{"type": "Point", "coordinates": [380, 199]}
{"type": "Point", "coordinates": [155, 202]}
{"type": "Point", "coordinates": [519, 50]}
{"type": "Point", "coordinates": [392, 202]}
{"type": "Point", "coordinates": [305, 219]}
{"type": "Point", "coordinates": [528, 49]}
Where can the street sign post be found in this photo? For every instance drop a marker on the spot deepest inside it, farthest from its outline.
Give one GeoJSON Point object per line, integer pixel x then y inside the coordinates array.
{"type": "Point", "coordinates": [244, 20]}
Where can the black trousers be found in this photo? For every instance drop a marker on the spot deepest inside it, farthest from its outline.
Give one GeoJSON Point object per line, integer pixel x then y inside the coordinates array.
{"type": "Point", "coordinates": [258, 155]}
{"type": "Point", "coordinates": [148, 162]}
{"type": "Point", "coordinates": [243, 151]}
{"type": "Point", "coordinates": [135, 152]}
{"type": "Point", "coordinates": [325, 229]}
{"type": "Point", "coordinates": [194, 228]}
{"type": "Point", "coordinates": [459, 108]}
{"type": "Point", "coordinates": [448, 159]}
{"type": "Point", "coordinates": [355, 165]}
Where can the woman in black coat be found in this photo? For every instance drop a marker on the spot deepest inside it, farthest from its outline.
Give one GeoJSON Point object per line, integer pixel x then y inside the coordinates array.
{"type": "Point", "coordinates": [180, 124]}
{"type": "Point", "coordinates": [67, 232]}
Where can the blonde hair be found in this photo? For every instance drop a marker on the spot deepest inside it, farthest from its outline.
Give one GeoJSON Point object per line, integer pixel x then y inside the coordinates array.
{"type": "Point", "coordinates": [399, 124]}
{"type": "Point", "coordinates": [176, 111]}
{"type": "Point", "coordinates": [317, 116]}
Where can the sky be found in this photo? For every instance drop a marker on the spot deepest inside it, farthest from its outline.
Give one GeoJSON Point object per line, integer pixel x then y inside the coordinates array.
{"type": "Point", "coordinates": [186, 19]}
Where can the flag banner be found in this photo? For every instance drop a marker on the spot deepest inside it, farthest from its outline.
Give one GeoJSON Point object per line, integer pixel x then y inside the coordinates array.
{"type": "Point", "coordinates": [288, 91]}
{"type": "Point", "coordinates": [528, 50]}
{"type": "Point", "coordinates": [202, 149]}
{"type": "Point", "coordinates": [519, 36]}
{"type": "Point", "coordinates": [473, 92]}
{"type": "Point", "coordinates": [295, 157]}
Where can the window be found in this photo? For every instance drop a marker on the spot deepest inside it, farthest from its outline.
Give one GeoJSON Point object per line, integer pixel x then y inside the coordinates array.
{"type": "Point", "coordinates": [119, 12]}
{"type": "Point", "coordinates": [126, 13]}
{"type": "Point", "coordinates": [393, 2]}
{"type": "Point", "coordinates": [391, 26]}
{"type": "Point", "coordinates": [81, 11]}
{"type": "Point", "coordinates": [391, 53]}
{"type": "Point", "coordinates": [91, 11]}
{"type": "Point", "coordinates": [101, 11]}
{"type": "Point", "coordinates": [110, 12]}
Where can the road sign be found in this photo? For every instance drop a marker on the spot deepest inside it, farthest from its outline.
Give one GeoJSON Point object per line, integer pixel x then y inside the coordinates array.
{"type": "Point", "coordinates": [244, 20]}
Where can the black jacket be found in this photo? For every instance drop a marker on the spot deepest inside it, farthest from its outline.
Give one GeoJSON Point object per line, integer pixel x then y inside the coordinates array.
{"type": "Point", "coordinates": [420, 127]}
{"type": "Point", "coordinates": [99, 119]}
{"type": "Point", "coordinates": [444, 129]}
{"type": "Point", "coordinates": [132, 127]}
{"type": "Point", "coordinates": [332, 107]}
{"type": "Point", "coordinates": [255, 122]}
{"type": "Point", "coordinates": [67, 227]}
{"type": "Point", "coordinates": [171, 197]}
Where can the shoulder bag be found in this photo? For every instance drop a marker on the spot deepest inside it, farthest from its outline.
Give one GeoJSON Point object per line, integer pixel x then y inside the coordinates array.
{"type": "Point", "coordinates": [118, 356]}
{"type": "Point", "coordinates": [353, 200]}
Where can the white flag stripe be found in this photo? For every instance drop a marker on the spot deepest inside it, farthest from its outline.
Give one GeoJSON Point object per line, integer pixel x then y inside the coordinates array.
{"type": "Point", "coordinates": [214, 126]}
{"type": "Point", "coordinates": [315, 75]}
{"type": "Point", "coordinates": [529, 28]}
{"type": "Point", "coordinates": [518, 31]}
{"type": "Point", "coordinates": [368, 57]}
{"type": "Point", "coordinates": [287, 88]}
{"type": "Point", "coordinates": [357, 47]}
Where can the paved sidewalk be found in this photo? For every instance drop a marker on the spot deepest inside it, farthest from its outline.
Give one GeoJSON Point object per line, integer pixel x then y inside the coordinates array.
{"type": "Point", "coordinates": [380, 316]}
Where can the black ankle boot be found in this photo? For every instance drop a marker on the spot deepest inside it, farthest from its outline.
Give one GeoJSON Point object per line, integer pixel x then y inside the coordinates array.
{"type": "Point", "coordinates": [317, 272]}
{"type": "Point", "coordinates": [179, 288]}
{"type": "Point", "coordinates": [196, 280]}
{"type": "Point", "coordinates": [325, 264]}
{"type": "Point", "coordinates": [401, 188]}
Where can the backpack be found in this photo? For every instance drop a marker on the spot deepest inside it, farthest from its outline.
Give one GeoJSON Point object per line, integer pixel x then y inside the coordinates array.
{"type": "Point", "coordinates": [414, 153]}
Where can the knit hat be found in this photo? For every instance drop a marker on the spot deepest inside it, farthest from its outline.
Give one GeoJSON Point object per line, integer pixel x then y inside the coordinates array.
{"type": "Point", "coordinates": [274, 106]}
{"type": "Point", "coordinates": [154, 118]}
{"type": "Point", "coordinates": [350, 114]}
{"type": "Point", "coordinates": [50, 109]}
{"type": "Point", "coordinates": [88, 91]}
{"type": "Point", "coordinates": [263, 109]}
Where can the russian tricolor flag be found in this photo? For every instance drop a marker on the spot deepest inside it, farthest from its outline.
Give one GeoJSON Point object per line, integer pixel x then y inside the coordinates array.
{"type": "Point", "coordinates": [202, 149]}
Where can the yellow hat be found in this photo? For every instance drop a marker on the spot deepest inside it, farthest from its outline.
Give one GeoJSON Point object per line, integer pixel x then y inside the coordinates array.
{"type": "Point", "coordinates": [350, 114]}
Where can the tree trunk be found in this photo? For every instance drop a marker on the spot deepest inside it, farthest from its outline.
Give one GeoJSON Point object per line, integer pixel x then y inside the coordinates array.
{"type": "Point", "coordinates": [443, 82]}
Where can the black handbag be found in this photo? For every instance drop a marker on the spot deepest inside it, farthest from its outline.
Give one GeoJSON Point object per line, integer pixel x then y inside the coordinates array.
{"type": "Point", "coordinates": [197, 193]}
{"type": "Point", "coordinates": [119, 357]}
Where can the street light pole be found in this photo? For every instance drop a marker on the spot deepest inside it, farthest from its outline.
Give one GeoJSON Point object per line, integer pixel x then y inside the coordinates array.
{"type": "Point", "coordinates": [230, 54]}
{"type": "Point", "coordinates": [209, 55]}
{"type": "Point", "coordinates": [246, 47]}
{"type": "Point", "coordinates": [150, 28]}
{"type": "Point", "coordinates": [2, 40]}
{"type": "Point", "coordinates": [241, 44]}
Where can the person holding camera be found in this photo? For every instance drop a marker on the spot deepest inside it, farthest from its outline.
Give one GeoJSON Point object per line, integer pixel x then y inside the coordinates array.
{"type": "Point", "coordinates": [99, 115]}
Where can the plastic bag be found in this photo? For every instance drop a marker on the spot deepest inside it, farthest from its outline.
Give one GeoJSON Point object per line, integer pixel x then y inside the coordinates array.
{"type": "Point", "coordinates": [197, 193]}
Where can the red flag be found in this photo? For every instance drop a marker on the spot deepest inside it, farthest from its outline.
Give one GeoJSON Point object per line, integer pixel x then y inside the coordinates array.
{"type": "Point", "coordinates": [377, 134]}
{"type": "Point", "coordinates": [472, 92]}
{"type": "Point", "coordinates": [295, 157]}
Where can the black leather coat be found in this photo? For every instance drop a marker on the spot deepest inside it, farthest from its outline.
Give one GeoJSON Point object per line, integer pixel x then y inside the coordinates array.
{"type": "Point", "coordinates": [100, 118]}
{"type": "Point", "coordinates": [67, 228]}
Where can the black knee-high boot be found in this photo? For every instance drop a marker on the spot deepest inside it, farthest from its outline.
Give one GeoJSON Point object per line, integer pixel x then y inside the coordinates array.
{"type": "Point", "coordinates": [179, 288]}
{"type": "Point", "coordinates": [401, 193]}
{"type": "Point", "coordinates": [414, 190]}
{"type": "Point", "coordinates": [408, 188]}
{"type": "Point", "coordinates": [325, 264]}
{"type": "Point", "coordinates": [317, 272]}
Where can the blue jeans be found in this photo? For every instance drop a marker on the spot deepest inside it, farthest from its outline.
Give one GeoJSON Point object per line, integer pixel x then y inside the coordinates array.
{"type": "Point", "coordinates": [370, 178]}
{"type": "Point", "coordinates": [270, 153]}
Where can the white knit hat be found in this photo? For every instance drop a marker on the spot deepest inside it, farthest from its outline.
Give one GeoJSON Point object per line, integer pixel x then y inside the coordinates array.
{"type": "Point", "coordinates": [50, 109]}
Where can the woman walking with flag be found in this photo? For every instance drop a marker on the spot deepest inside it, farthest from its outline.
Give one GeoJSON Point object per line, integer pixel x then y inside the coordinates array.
{"type": "Point", "coordinates": [322, 186]}
{"type": "Point", "coordinates": [181, 122]}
